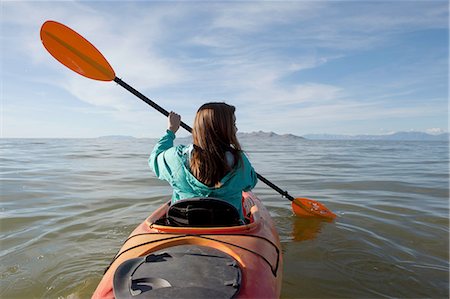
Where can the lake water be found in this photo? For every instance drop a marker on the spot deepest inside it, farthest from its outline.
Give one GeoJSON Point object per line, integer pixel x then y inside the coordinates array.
{"type": "Point", "coordinates": [68, 204]}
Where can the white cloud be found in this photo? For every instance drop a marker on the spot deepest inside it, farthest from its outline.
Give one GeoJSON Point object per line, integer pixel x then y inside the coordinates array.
{"type": "Point", "coordinates": [127, 47]}
{"type": "Point", "coordinates": [289, 97]}
{"type": "Point", "coordinates": [248, 17]}
{"type": "Point", "coordinates": [246, 53]}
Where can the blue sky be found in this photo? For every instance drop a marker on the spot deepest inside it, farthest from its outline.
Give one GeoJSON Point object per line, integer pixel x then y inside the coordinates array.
{"type": "Point", "coordinates": [301, 67]}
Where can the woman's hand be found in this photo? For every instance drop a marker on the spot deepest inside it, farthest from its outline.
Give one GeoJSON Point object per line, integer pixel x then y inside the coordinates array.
{"type": "Point", "coordinates": [173, 121]}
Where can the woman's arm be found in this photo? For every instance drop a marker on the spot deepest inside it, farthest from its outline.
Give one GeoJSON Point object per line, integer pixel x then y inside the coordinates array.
{"type": "Point", "coordinates": [157, 160]}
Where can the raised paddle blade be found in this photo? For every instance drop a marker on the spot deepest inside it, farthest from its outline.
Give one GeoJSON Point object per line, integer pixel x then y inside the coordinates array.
{"type": "Point", "coordinates": [75, 52]}
{"type": "Point", "coordinates": [305, 207]}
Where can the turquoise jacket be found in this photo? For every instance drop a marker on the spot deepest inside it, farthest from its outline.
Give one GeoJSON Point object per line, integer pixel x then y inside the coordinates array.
{"type": "Point", "coordinates": [171, 164]}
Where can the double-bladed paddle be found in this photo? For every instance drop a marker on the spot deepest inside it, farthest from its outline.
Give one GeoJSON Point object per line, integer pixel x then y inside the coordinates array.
{"type": "Point", "coordinates": [79, 55]}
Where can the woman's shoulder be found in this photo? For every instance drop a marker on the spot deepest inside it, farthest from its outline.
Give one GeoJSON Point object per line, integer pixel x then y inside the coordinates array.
{"type": "Point", "coordinates": [184, 150]}
{"type": "Point", "coordinates": [245, 162]}
{"type": "Point", "coordinates": [174, 156]}
{"type": "Point", "coordinates": [244, 156]}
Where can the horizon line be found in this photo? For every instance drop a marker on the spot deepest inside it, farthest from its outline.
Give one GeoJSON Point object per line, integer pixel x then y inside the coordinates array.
{"type": "Point", "coordinates": [245, 133]}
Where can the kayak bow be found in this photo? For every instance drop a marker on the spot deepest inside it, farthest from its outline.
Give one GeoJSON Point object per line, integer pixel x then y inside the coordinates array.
{"type": "Point", "coordinates": [162, 261]}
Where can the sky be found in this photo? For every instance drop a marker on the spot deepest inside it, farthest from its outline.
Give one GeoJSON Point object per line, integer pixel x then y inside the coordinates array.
{"type": "Point", "coordinates": [299, 67]}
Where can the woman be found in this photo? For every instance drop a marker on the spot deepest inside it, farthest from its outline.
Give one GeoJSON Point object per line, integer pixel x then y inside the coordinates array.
{"type": "Point", "coordinates": [213, 166]}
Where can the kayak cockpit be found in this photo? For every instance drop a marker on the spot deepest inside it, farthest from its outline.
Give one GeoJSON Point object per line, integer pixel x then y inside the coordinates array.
{"type": "Point", "coordinates": [251, 210]}
{"type": "Point", "coordinates": [201, 212]}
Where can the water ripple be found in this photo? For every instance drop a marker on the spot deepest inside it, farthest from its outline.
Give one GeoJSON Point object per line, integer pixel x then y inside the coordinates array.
{"type": "Point", "coordinates": [67, 206]}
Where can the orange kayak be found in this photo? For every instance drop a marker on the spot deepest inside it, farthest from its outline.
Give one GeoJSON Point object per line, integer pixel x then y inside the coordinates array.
{"type": "Point", "coordinates": [159, 260]}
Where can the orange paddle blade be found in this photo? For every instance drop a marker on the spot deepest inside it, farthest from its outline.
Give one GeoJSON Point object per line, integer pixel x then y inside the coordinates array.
{"type": "Point", "coordinates": [305, 207]}
{"type": "Point", "coordinates": [75, 52]}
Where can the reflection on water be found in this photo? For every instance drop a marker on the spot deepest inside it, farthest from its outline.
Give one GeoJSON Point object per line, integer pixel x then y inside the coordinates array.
{"type": "Point", "coordinates": [304, 229]}
{"type": "Point", "coordinates": [67, 206]}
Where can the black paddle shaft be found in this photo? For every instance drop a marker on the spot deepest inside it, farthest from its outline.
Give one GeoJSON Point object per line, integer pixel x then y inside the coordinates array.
{"type": "Point", "coordinates": [274, 187]}
{"type": "Point", "coordinates": [189, 129]}
{"type": "Point", "coordinates": [148, 101]}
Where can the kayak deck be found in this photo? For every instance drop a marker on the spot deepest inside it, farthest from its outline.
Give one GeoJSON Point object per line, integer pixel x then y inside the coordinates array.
{"type": "Point", "coordinates": [254, 246]}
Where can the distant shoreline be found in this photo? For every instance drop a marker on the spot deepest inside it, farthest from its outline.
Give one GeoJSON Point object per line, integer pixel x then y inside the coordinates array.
{"type": "Point", "coordinates": [398, 136]}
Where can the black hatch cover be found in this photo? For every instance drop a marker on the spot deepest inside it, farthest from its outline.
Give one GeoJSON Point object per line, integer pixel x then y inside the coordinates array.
{"type": "Point", "coordinates": [185, 271]}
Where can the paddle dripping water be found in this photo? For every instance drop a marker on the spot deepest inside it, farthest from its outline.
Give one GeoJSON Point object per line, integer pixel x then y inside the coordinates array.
{"type": "Point", "coordinates": [79, 55]}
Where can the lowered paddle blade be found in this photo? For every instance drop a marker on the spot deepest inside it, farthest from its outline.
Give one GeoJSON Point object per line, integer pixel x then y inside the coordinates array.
{"type": "Point", "coordinates": [305, 207]}
{"type": "Point", "coordinates": [75, 52]}
{"type": "Point", "coordinates": [302, 207]}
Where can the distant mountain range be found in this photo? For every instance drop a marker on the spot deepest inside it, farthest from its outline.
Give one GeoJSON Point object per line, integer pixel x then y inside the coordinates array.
{"type": "Point", "coordinates": [400, 136]}
{"type": "Point", "coordinates": [272, 135]}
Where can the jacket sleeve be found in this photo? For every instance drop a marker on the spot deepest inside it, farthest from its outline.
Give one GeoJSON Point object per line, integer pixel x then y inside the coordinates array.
{"type": "Point", "coordinates": [158, 157]}
{"type": "Point", "coordinates": [249, 174]}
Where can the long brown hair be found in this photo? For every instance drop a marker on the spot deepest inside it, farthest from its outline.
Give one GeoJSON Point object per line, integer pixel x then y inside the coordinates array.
{"type": "Point", "coordinates": [214, 133]}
